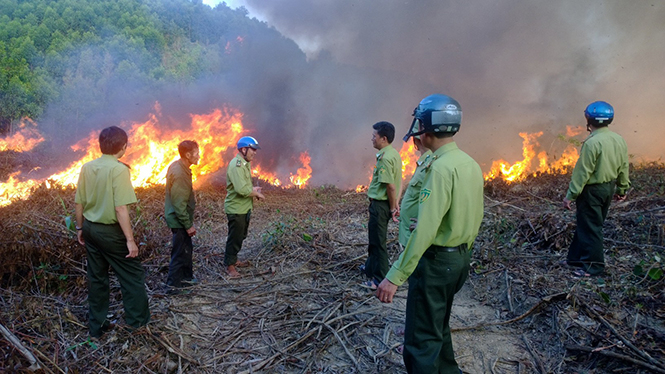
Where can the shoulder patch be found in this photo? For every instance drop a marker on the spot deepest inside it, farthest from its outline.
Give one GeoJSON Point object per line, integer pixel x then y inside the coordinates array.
{"type": "Point", "coordinates": [238, 163]}
{"type": "Point", "coordinates": [424, 195]}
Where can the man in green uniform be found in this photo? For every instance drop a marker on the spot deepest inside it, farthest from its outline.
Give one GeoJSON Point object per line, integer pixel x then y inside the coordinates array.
{"type": "Point", "coordinates": [437, 255]}
{"type": "Point", "coordinates": [239, 201]}
{"type": "Point", "coordinates": [600, 172]}
{"type": "Point", "coordinates": [383, 194]}
{"type": "Point", "coordinates": [103, 225]}
{"type": "Point", "coordinates": [408, 210]}
{"type": "Point", "coordinates": [179, 206]}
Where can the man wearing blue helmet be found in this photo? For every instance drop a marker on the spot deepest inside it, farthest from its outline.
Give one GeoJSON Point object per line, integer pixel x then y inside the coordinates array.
{"type": "Point", "coordinates": [600, 172]}
{"type": "Point", "coordinates": [437, 255]}
{"type": "Point", "coordinates": [240, 194]}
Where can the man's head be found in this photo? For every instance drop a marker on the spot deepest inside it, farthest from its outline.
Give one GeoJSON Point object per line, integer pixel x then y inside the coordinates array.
{"type": "Point", "coordinates": [189, 151]}
{"type": "Point", "coordinates": [247, 147]}
{"type": "Point", "coordinates": [440, 115]}
{"type": "Point", "coordinates": [599, 114]}
{"type": "Point", "coordinates": [383, 134]}
{"type": "Point", "coordinates": [112, 140]}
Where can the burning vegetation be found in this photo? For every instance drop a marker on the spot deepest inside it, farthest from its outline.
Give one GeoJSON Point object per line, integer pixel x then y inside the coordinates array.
{"type": "Point", "coordinates": [299, 309]}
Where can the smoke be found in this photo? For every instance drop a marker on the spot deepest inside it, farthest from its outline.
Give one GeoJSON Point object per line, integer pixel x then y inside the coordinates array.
{"type": "Point", "coordinates": [514, 65]}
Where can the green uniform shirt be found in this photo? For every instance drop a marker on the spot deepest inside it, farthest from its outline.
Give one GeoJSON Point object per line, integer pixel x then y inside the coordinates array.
{"type": "Point", "coordinates": [238, 187]}
{"type": "Point", "coordinates": [603, 158]}
{"type": "Point", "coordinates": [180, 201]}
{"type": "Point", "coordinates": [104, 184]}
{"type": "Point", "coordinates": [409, 207]}
{"type": "Point", "coordinates": [388, 169]}
{"type": "Point", "coordinates": [450, 209]}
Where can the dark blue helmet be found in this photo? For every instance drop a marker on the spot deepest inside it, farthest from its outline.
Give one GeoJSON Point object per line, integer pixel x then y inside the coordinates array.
{"type": "Point", "coordinates": [599, 113]}
{"type": "Point", "coordinates": [248, 141]}
{"type": "Point", "coordinates": [436, 113]}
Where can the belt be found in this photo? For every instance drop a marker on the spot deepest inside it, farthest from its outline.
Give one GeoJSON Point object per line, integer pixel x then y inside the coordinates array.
{"type": "Point", "coordinates": [434, 249]}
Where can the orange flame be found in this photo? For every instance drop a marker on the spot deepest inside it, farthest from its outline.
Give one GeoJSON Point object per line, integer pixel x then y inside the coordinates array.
{"type": "Point", "coordinates": [521, 169]}
{"type": "Point", "coordinates": [409, 156]}
{"type": "Point", "coordinates": [270, 178]}
{"type": "Point", "coordinates": [24, 140]}
{"type": "Point", "coordinates": [150, 151]}
{"type": "Point", "coordinates": [304, 173]}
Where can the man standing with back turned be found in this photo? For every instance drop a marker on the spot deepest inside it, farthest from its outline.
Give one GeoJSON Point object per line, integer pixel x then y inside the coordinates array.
{"type": "Point", "coordinates": [103, 225]}
{"type": "Point", "coordinates": [436, 258]}
{"type": "Point", "coordinates": [179, 205]}
{"type": "Point", "coordinates": [383, 193]}
{"type": "Point", "coordinates": [600, 172]}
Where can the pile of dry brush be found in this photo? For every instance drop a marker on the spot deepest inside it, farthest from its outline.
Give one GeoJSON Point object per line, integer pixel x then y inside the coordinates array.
{"type": "Point", "coordinates": [299, 308]}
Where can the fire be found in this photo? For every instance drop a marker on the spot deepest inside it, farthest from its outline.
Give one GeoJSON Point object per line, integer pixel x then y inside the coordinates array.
{"type": "Point", "coordinates": [150, 151]}
{"type": "Point", "coordinates": [521, 169]}
{"type": "Point", "coordinates": [409, 156]}
{"type": "Point", "coordinates": [24, 140]}
{"type": "Point", "coordinates": [271, 178]}
{"type": "Point", "coordinates": [304, 173]}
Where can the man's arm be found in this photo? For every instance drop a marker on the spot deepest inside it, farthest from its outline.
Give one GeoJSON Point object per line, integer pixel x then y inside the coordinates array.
{"type": "Point", "coordinates": [122, 213]}
{"type": "Point", "coordinates": [79, 223]}
{"type": "Point", "coordinates": [393, 201]}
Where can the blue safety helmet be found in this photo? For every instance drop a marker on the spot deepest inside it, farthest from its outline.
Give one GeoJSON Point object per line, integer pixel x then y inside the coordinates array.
{"type": "Point", "coordinates": [436, 113]}
{"type": "Point", "coordinates": [599, 114]}
{"type": "Point", "coordinates": [248, 141]}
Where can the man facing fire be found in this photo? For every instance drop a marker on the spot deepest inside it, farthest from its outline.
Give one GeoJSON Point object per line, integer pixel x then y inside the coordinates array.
{"type": "Point", "coordinates": [239, 201]}
{"type": "Point", "coordinates": [179, 205]}
{"type": "Point", "coordinates": [383, 194]}
{"type": "Point", "coordinates": [408, 210]}
{"type": "Point", "coordinates": [600, 172]}
{"type": "Point", "coordinates": [103, 225]}
{"type": "Point", "coordinates": [437, 255]}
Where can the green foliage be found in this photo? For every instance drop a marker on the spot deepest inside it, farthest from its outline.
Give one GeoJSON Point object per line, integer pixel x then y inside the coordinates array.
{"type": "Point", "coordinates": [62, 48]}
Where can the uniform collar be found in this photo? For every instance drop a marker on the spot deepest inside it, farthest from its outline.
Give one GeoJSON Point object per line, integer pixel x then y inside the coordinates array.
{"type": "Point", "coordinates": [445, 148]}
{"type": "Point", "coordinates": [382, 151]}
{"type": "Point", "coordinates": [185, 165]}
{"type": "Point", "coordinates": [241, 159]}
{"type": "Point", "coordinates": [109, 157]}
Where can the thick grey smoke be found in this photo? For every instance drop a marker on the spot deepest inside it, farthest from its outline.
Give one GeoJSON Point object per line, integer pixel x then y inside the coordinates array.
{"type": "Point", "coordinates": [515, 65]}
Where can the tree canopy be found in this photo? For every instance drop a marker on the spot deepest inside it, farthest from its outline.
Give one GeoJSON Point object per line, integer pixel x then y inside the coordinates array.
{"type": "Point", "coordinates": [50, 48]}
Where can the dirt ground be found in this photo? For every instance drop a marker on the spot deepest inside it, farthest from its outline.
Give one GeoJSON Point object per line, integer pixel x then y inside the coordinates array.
{"type": "Point", "coordinates": [299, 308]}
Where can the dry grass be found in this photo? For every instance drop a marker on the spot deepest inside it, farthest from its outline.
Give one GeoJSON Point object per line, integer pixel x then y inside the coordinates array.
{"type": "Point", "coordinates": [299, 308]}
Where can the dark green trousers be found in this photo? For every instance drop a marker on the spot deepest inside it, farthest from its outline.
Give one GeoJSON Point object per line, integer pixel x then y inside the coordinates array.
{"type": "Point", "coordinates": [106, 246]}
{"type": "Point", "coordinates": [376, 265]}
{"type": "Point", "coordinates": [428, 346]}
{"type": "Point", "coordinates": [181, 266]}
{"type": "Point", "coordinates": [586, 250]}
{"type": "Point", "coordinates": [238, 225]}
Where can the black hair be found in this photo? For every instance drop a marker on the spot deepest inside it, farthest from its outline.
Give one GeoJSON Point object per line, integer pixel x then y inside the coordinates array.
{"type": "Point", "coordinates": [386, 129]}
{"type": "Point", "coordinates": [441, 135]}
{"type": "Point", "coordinates": [112, 139]}
{"type": "Point", "coordinates": [187, 146]}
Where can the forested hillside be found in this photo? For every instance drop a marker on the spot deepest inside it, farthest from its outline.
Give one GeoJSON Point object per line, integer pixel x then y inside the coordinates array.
{"type": "Point", "coordinates": [81, 48]}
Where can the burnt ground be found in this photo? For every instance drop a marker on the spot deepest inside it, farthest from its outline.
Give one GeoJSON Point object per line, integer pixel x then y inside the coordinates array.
{"type": "Point", "coordinates": [299, 308]}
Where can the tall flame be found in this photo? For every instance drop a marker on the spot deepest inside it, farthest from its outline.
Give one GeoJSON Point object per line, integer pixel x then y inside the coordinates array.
{"type": "Point", "coordinates": [150, 151]}
{"type": "Point", "coordinates": [304, 173]}
{"type": "Point", "coordinates": [25, 139]}
{"type": "Point", "coordinates": [519, 170]}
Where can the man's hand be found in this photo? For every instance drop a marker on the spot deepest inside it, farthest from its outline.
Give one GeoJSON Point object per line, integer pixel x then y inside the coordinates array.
{"type": "Point", "coordinates": [566, 204]}
{"type": "Point", "coordinates": [191, 231]}
{"type": "Point", "coordinates": [79, 236]}
{"type": "Point", "coordinates": [386, 291]}
{"type": "Point", "coordinates": [133, 249]}
{"type": "Point", "coordinates": [257, 193]}
{"type": "Point", "coordinates": [395, 214]}
{"type": "Point", "coordinates": [414, 223]}
{"type": "Point", "coordinates": [619, 197]}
